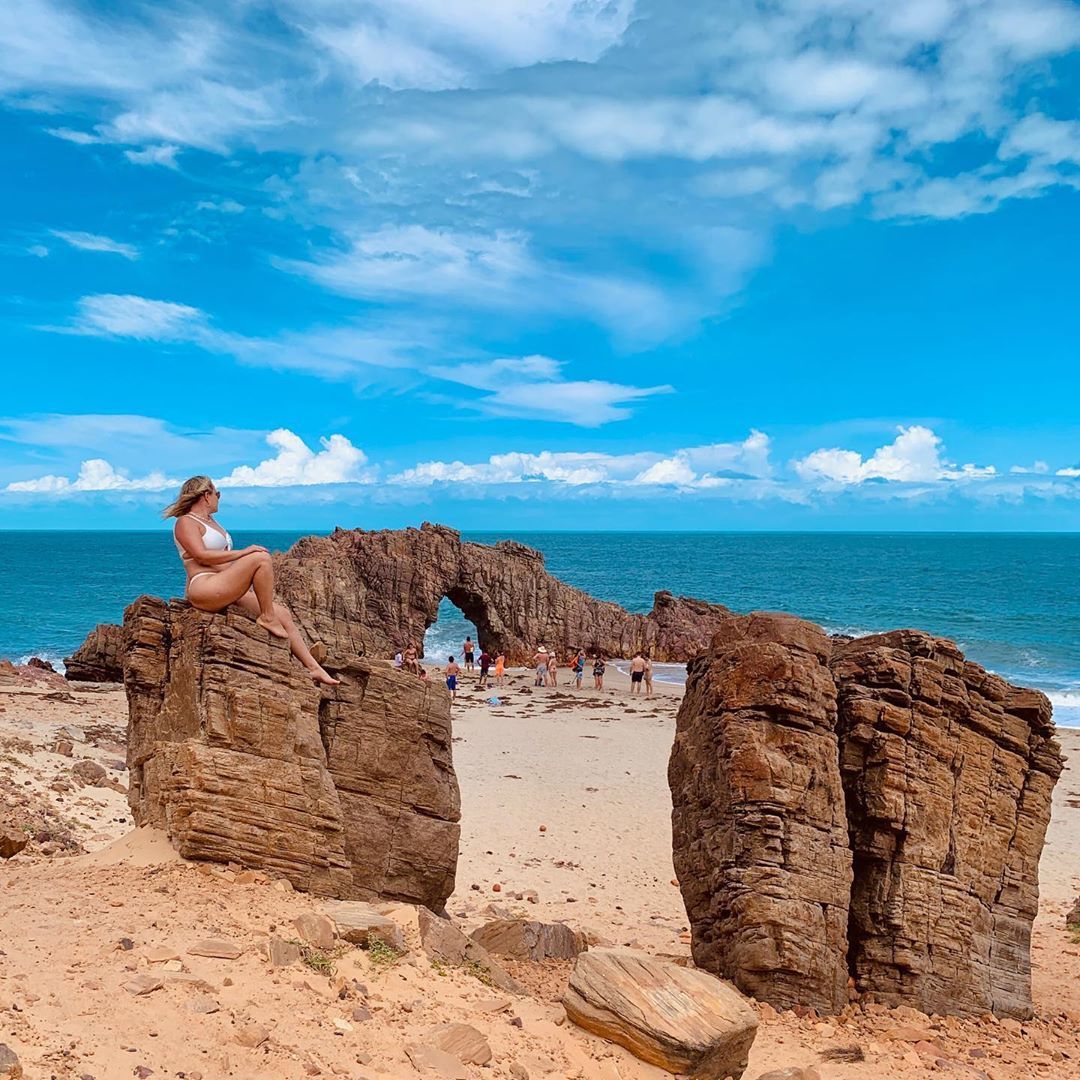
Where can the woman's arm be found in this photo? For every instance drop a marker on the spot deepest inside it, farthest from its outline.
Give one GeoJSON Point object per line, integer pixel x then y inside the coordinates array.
{"type": "Point", "coordinates": [190, 536]}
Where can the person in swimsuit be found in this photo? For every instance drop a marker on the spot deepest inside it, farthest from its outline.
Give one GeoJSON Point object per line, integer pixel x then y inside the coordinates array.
{"type": "Point", "coordinates": [553, 668]}
{"type": "Point", "coordinates": [648, 675]}
{"type": "Point", "coordinates": [541, 662]}
{"type": "Point", "coordinates": [217, 576]}
{"type": "Point", "coordinates": [579, 668]}
{"type": "Point", "coordinates": [500, 667]}
{"type": "Point", "coordinates": [452, 672]}
{"type": "Point", "coordinates": [637, 673]}
{"type": "Point", "coordinates": [467, 649]}
{"type": "Point", "coordinates": [598, 672]}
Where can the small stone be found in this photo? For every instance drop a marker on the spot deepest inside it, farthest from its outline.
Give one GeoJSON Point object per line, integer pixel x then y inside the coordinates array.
{"type": "Point", "coordinates": [463, 1042]}
{"type": "Point", "coordinates": [161, 955]}
{"type": "Point", "coordinates": [204, 1005]}
{"type": "Point", "coordinates": [361, 1015]}
{"type": "Point", "coordinates": [127, 944]}
{"type": "Point", "coordinates": [173, 965]}
{"type": "Point", "coordinates": [90, 772]}
{"type": "Point", "coordinates": [438, 1061]}
{"type": "Point", "coordinates": [141, 984]}
{"type": "Point", "coordinates": [252, 1035]}
{"type": "Point", "coordinates": [143, 1071]}
{"type": "Point", "coordinates": [64, 747]}
{"type": "Point", "coordinates": [11, 843]}
{"type": "Point", "coordinates": [342, 1025]}
{"type": "Point", "coordinates": [281, 953]}
{"type": "Point", "coordinates": [218, 948]}
{"type": "Point", "coordinates": [10, 1068]}
{"type": "Point", "coordinates": [543, 828]}
{"type": "Point", "coordinates": [316, 930]}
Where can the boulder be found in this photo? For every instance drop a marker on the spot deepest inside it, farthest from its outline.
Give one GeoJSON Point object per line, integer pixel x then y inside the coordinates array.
{"type": "Point", "coordinates": [522, 939]}
{"type": "Point", "coordinates": [10, 1068]}
{"type": "Point", "coordinates": [358, 922]}
{"type": "Point", "coordinates": [875, 806]}
{"type": "Point", "coordinates": [677, 1018]}
{"type": "Point", "coordinates": [346, 792]}
{"type": "Point", "coordinates": [373, 593]}
{"type": "Point", "coordinates": [100, 658]}
{"type": "Point", "coordinates": [1072, 919]}
{"type": "Point", "coordinates": [760, 837]}
{"type": "Point", "coordinates": [948, 773]}
{"type": "Point", "coordinates": [12, 841]}
{"type": "Point", "coordinates": [316, 930]}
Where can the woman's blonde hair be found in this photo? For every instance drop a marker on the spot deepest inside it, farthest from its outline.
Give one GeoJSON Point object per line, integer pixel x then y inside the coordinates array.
{"type": "Point", "coordinates": [191, 492]}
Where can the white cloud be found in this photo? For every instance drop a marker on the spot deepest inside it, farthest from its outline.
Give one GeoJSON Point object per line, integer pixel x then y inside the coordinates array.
{"type": "Point", "coordinates": [913, 456]}
{"type": "Point", "coordinates": [80, 138]}
{"type": "Point", "coordinates": [39, 251]}
{"type": "Point", "coordinates": [1070, 471]}
{"type": "Point", "coordinates": [162, 154]}
{"type": "Point", "coordinates": [85, 241]}
{"type": "Point", "coordinates": [295, 464]}
{"type": "Point", "coordinates": [116, 315]}
{"type": "Point", "coordinates": [220, 206]}
{"type": "Point", "coordinates": [704, 466]}
{"type": "Point", "coordinates": [95, 474]}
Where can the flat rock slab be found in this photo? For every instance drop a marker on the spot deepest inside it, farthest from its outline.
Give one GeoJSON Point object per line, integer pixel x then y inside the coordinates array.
{"type": "Point", "coordinates": [218, 948]}
{"type": "Point", "coordinates": [524, 939]}
{"type": "Point", "coordinates": [358, 922]}
{"type": "Point", "coordinates": [431, 1061]}
{"type": "Point", "coordinates": [463, 1042]}
{"type": "Point", "coordinates": [142, 983]}
{"type": "Point", "coordinates": [316, 930]}
{"type": "Point", "coordinates": [679, 1019]}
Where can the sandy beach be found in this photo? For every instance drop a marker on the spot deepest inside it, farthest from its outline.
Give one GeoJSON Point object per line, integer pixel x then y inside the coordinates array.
{"type": "Point", "coordinates": [565, 816]}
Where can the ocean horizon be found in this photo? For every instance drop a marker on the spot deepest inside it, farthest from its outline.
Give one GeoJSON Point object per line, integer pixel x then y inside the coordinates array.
{"type": "Point", "coordinates": [1009, 600]}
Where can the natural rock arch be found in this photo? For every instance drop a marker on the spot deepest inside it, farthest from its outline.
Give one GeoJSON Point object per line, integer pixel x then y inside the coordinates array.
{"type": "Point", "coordinates": [373, 593]}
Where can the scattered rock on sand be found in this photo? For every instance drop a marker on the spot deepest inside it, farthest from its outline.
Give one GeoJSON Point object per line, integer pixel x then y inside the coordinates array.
{"type": "Point", "coordinates": [10, 1068]}
{"type": "Point", "coordinates": [89, 772]}
{"type": "Point", "coordinates": [11, 843]}
{"type": "Point", "coordinates": [358, 922]}
{"type": "Point", "coordinates": [100, 658]}
{"type": "Point", "coordinates": [1072, 920]}
{"type": "Point", "coordinates": [680, 1019]}
{"type": "Point", "coordinates": [791, 1074]}
{"type": "Point", "coordinates": [523, 939]}
{"type": "Point", "coordinates": [218, 948]}
{"type": "Point", "coordinates": [430, 1059]}
{"type": "Point", "coordinates": [462, 1041]}
{"type": "Point", "coordinates": [315, 930]}
{"type": "Point", "coordinates": [281, 953]}
{"type": "Point", "coordinates": [252, 1035]}
{"type": "Point", "coordinates": [142, 983]}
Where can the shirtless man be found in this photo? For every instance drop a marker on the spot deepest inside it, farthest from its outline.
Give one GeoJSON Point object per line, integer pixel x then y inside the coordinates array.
{"type": "Point", "coordinates": [452, 672]}
{"type": "Point", "coordinates": [637, 673]}
{"type": "Point", "coordinates": [467, 649]}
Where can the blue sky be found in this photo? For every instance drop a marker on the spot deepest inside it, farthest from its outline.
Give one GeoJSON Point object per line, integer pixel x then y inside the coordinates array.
{"type": "Point", "coordinates": [580, 263]}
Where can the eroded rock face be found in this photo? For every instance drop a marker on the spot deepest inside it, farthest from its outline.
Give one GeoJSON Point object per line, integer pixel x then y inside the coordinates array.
{"type": "Point", "coordinates": [348, 792]}
{"type": "Point", "coordinates": [948, 773]}
{"type": "Point", "coordinates": [100, 658]}
{"type": "Point", "coordinates": [374, 593]}
{"type": "Point", "coordinates": [760, 837]}
{"type": "Point", "coordinates": [889, 762]}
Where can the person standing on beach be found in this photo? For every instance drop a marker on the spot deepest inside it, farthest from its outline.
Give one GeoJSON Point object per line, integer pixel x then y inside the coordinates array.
{"type": "Point", "coordinates": [637, 673]}
{"type": "Point", "coordinates": [598, 672]}
{"type": "Point", "coordinates": [452, 672]}
{"type": "Point", "coordinates": [579, 668]}
{"type": "Point", "coordinates": [553, 668]}
{"type": "Point", "coordinates": [218, 577]}
{"type": "Point", "coordinates": [467, 649]}
{"type": "Point", "coordinates": [648, 675]}
{"type": "Point", "coordinates": [500, 666]}
{"type": "Point", "coordinates": [541, 662]}
{"type": "Point", "coordinates": [485, 667]}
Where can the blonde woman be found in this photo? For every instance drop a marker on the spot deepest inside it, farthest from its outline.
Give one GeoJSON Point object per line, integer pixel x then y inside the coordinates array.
{"type": "Point", "coordinates": [217, 576]}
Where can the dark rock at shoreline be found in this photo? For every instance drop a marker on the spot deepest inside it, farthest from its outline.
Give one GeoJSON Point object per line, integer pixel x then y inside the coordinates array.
{"type": "Point", "coordinates": [100, 658]}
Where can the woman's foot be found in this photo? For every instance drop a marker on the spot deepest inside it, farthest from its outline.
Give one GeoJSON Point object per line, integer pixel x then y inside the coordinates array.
{"type": "Point", "coordinates": [322, 678]}
{"type": "Point", "coordinates": [273, 625]}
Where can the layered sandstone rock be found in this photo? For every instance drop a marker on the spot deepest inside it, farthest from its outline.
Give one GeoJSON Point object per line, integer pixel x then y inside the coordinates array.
{"type": "Point", "coordinates": [796, 758]}
{"type": "Point", "coordinates": [348, 791]}
{"type": "Point", "coordinates": [760, 837]}
{"type": "Point", "coordinates": [374, 593]}
{"type": "Point", "coordinates": [100, 658]}
{"type": "Point", "coordinates": [948, 773]}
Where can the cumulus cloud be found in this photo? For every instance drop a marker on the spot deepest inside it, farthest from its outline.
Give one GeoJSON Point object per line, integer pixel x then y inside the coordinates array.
{"type": "Point", "coordinates": [914, 455]}
{"type": "Point", "coordinates": [296, 464]}
{"type": "Point", "coordinates": [85, 241]}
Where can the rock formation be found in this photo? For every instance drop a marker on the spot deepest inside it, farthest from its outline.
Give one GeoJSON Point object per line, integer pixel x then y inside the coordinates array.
{"type": "Point", "coordinates": [760, 837]}
{"type": "Point", "coordinates": [889, 762]}
{"type": "Point", "coordinates": [348, 792]}
{"type": "Point", "coordinates": [373, 593]}
{"type": "Point", "coordinates": [100, 658]}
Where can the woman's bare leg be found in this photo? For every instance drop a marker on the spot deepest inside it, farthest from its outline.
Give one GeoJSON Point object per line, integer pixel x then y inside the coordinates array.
{"type": "Point", "coordinates": [255, 572]}
{"type": "Point", "coordinates": [249, 602]}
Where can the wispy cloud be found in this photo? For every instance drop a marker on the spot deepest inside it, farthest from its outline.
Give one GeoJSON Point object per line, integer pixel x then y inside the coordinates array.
{"type": "Point", "coordinates": [163, 154]}
{"type": "Point", "coordinates": [86, 241]}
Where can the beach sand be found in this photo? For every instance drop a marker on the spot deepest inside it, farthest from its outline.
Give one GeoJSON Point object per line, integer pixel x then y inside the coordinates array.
{"type": "Point", "coordinates": [564, 793]}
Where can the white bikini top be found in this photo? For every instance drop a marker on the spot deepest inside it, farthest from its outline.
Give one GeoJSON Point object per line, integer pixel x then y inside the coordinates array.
{"type": "Point", "coordinates": [212, 539]}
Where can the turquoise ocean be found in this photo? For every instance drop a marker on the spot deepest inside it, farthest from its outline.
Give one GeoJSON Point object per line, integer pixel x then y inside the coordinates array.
{"type": "Point", "coordinates": [1011, 601]}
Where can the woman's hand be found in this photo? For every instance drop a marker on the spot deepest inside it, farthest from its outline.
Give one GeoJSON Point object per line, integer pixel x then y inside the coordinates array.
{"type": "Point", "coordinates": [252, 548]}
